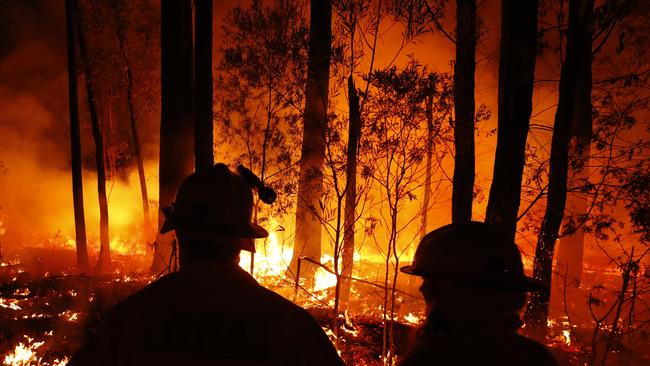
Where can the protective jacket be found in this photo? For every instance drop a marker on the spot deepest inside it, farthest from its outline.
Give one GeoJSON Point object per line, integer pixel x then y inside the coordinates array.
{"type": "Point", "coordinates": [207, 314]}
{"type": "Point", "coordinates": [495, 345]}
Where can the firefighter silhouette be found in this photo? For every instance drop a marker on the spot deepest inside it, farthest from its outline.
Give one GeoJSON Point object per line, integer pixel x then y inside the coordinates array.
{"type": "Point", "coordinates": [474, 286]}
{"type": "Point", "coordinates": [210, 312]}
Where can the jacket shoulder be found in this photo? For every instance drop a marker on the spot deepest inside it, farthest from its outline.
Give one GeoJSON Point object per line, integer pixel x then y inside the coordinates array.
{"type": "Point", "coordinates": [531, 352]}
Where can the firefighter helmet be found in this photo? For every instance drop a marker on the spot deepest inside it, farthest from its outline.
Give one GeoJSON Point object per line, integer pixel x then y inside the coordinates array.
{"type": "Point", "coordinates": [214, 204]}
{"type": "Point", "coordinates": [472, 253]}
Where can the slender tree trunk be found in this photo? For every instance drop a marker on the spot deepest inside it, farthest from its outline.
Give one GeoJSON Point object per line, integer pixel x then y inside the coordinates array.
{"type": "Point", "coordinates": [310, 183]}
{"type": "Point", "coordinates": [578, 47]}
{"type": "Point", "coordinates": [464, 68]}
{"type": "Point", "coordinates": [427, 174]}
{"type": "Point", "coordinates": [571, 248]}
{"type": "Point", "coordinates": [203, 138]}
{"type": "Point", "coordinates": [516, 71]}
{"type": "Point", "coordinates": [176, 120]}
{"type": "Point", "coordinates": [354, 134]}
{"type": "Point", "coordinates": [75, 143]}
{"type": "Point", "coordinates": [147, 227]}
{"type": "Point", "coordinates": [104, 261]}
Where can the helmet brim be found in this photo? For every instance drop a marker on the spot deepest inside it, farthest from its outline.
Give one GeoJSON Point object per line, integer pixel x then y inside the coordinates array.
{"type": "Point", "coordinates": [509, 283]}
{"type": "Point", "coordinates": [238, 234]}
{"type": "Point", "coordinates": [409, 270]}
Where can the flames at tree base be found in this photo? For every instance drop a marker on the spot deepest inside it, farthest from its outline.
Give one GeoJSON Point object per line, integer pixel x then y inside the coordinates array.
{"type": "Point", "coordinates": [45, 316]}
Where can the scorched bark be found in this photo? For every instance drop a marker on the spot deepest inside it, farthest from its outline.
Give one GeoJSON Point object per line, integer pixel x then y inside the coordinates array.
{"type": "Point", "coordinates": [464, 68]}
{"type": "Point", "coordinates": [75, 143]}
{"type": "Point", "coordinates": [176, 130]}
{"type": "Point", "coordinates": [310, 183]}
{"type": "Point", "coordinates": [516, 71]}
{"type": "Point", "coordinates": [578, 48]}
{"type": "Point", "coordinates": [104, 261]}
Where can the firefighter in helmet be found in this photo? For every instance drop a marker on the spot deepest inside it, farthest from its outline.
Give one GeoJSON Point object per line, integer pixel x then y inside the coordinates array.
{"type": "Point", "coordinates": [474, 286]}
{"type": "Point", "coordinates": [210, 312]}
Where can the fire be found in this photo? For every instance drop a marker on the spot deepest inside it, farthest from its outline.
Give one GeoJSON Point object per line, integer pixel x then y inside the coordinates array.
{"type": "Point", "coordinates": [412, 318]}
{"type": "Point", "coordinates": [25, 354]}
{"type": "Point", "coordinates": [271, 259]}
{"type": "Point", "coordinates": [567, 336]}
{"type": "Point", "coordinates": [324, 279]}
{"type": "Point", "coordinates": [22, 292]}
{"type": "Point", "coordinates": [566, 331]}
{"type": "Point", "coordinates": [123, 247]}
{"type": "Point", "coordinates": [70, 315]}
{"type": "Point", "coordinates": [9, 304]}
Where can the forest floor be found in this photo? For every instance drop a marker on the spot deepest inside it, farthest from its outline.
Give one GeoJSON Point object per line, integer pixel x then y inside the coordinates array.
{"type": "Point", "coordinates": [44, 317]}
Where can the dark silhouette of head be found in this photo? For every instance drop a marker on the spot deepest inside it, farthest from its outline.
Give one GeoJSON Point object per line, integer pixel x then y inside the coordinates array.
{"type": "Point", "coordinates": [472, 275]}
{"type": "Point", "coordinates": [212, 215]}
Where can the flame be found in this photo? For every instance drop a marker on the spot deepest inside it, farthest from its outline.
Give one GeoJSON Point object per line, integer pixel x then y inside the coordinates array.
{"type": "Point", "coordinates": [412, 318]}
{"type": "Point", "coordinates": [9, 304]}
{"type": "Point", "coordinates": [271, 259]}
{"type": "Point", "coordinates": [24, 353]}
{"type": "Point", "coordinates": [70, 315]}
{"type": "Point", "coordinates": [22, 292]}
{"type": "Point", "coordinates": [324, 279]}
{"type": "Point", "coordinates": [123, 247]}
{"type": "Point", "coordinates": [566, 333]}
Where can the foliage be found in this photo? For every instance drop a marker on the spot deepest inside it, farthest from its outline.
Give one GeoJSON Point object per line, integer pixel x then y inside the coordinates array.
{"type": "Point", "coordinates": [394, 146]}
{"type": "Point", "coordinates": [393, 133]}
{"type": "Point", "coordinates": [261, 78]}
{"type": "Point", "coordinates": [138, 22]}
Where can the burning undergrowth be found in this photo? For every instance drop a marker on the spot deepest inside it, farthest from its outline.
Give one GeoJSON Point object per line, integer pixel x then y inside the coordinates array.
{"type": "Point", "coordinates": [45, 316]}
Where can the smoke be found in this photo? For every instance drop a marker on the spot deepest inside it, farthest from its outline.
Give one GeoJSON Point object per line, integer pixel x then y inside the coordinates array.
{"type": "Point", "coordinates": [35, 181]}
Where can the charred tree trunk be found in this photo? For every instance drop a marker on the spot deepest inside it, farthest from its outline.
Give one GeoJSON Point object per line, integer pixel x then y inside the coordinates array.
{"type": "Point", "coordinates": [203, 138]}
{"type": "Point", "coordinates": [121, 38]}
{"type": "Point", "coordinates": [354, 134]}
{"type": "Point", "coordinates": [104, 261]}
{"type": "Point", "coordinates": [75, 143]}
{"type": "Point", "coordinates": [571, 248]}
{"type": "Point", "coordinates": [310, 183]}
{"type": "Point", "coordinates": [516, 71]}
{"type": "Point", "coordinates": [578, 48]}
{"type": "Point", "coordinates": [427, 174]}
{"type": "Point", "coordinates": [176, 120]}
{"type": "Point", "coordinates": [464, 68]}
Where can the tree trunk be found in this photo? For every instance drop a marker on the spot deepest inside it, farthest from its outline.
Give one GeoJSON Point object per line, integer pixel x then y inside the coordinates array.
{"type": "Point", "coordinates": [516, 71]}
{"type": "Point", "coordinates": [147, 227]}
{"type": "Point", "coordinates": [203, 138]}
{"type": "Point", "coordinates": [427, 174]}
{"type": "Point", "coordinates": [578, 49]}
{"type": "Point", "coordinates": [354, 134]}
{"type": "Point", "coordinates": [104, 261]}
{"type": "Point", "coordinates": [463, 183]}
{"type": "Point", "coordinates": [176, 120]}
{"type": "Point", "coordinates": [310, 182]}
{"type": "Point", "coordinates": [571, 248]}
{"type": "Point", "coordinates": [75, 143]}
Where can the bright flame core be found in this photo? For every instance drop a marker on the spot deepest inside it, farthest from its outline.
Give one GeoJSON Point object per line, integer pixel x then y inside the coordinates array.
{"type": "Point", "coordinates": [271, 259]}
{"type": "Point", "coordinates": [322, 278]}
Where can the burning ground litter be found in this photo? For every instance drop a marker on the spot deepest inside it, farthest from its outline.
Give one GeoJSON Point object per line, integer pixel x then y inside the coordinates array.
{"type": "Point", "coordinates": [45, 316]}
